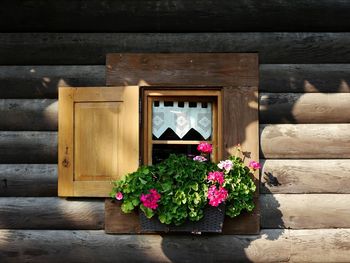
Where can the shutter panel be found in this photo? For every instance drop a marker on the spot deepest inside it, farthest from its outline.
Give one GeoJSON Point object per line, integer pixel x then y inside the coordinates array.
{"type": "Point", "coordinates": [98, 138]}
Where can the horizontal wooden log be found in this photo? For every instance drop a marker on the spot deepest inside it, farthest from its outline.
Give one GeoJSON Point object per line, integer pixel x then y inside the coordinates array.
{"type": "Point", "coordinates": [321, 245]}
{"type": "Point", "coordinates": [303, 211]}
{"type": "Point", "coordinates": [174, 16]}
{"type": "Point", "coordinates": [51, 213]}
{"type": "Point", "coordinates": [304, 108]}
{"type": "Point", "coordinates": [28, 147]}
{"type": "Point", "coordinates": [30, 115]}
{"type": "Point", "coordinates": [296, 211]}
{"type": "Point", "coordinates": [312, 141]}
{"type": "Point", "coordinates": [28, 180]}
{"type": "Point", "coordinates": [278, 176]}
{"type": "Point", "coordinates": [305, 78]}
{"type": "Point", "coordinates": [305, 176]}
{"type": "Point", "coordinates": [91, 48]}
{"type": "Point", "coordinates": [41, 114]}
{"type": "Point", "coordinates": [43, 81]}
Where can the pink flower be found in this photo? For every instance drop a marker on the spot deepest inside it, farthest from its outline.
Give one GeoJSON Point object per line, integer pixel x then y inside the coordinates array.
{"type": "Point", "coordinates": [205, 147]}
{"type": "Point", "coordinates": [216, 177]}
{"type": "Point", "coordinates": [119, 196]}
{"type": "Point", "coordinates": [199, 158]}
{"type": "Point", "coordinates": [225, 165]}
{"type": "Point", "coordinates": [217, 196]}
{"type": "Point", "coordinates": [150, 200]}
{"type": "Point", "coordinates": [254, 165]}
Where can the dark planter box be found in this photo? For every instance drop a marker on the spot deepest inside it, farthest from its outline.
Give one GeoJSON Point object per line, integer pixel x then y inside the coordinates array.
{"type": "Point", "coordinates": [212, 222]}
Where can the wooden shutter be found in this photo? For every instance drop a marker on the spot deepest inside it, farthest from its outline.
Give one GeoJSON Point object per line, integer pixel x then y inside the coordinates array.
{"type": "Point", "coordinates": [98, 138]}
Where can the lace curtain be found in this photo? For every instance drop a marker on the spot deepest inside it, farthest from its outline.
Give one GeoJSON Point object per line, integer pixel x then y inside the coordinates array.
{"type": "Point", "coordinates": [182, 118]}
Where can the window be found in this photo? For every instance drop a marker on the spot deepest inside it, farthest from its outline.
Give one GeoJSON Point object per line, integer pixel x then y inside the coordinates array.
{"type": "Point", "coordinates": [175, 120]}
{"type": "Point", "coordinates": [100, 132]}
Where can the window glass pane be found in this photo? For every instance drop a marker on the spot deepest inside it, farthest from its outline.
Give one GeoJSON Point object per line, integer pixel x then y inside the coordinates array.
{"type": "Point", "coordinates": [162, 151]}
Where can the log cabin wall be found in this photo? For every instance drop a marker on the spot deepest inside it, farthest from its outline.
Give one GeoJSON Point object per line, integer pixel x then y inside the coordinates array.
{"type": "Point", "coordinates": [304, 116]}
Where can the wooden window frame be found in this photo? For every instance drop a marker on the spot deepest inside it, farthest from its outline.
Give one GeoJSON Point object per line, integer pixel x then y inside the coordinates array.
{"type": "Point", "coordinates": [237, 74]}
{"type": "Point", "coordinates": [182, 94]}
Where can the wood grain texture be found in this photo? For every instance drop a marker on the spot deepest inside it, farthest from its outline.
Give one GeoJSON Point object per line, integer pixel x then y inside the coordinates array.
{"type": "Point", "coordinates": [28, 147]}
{"type": "Point", "coordinates": [96, 246]}
{"type": "Point", "coordinates": [221, 69]}
{"type": "Point", "coordinates": [85, 166]}
{"type": "Point", "coordinates": [51, 213]}
{"type": "Point", "coordinates": [28, 180]}
{"type": "Point", "coordinates": [41, 114]}
{"type": "Point", "coordinates": [43, 81]}
{"type": "Point", "coordinates": [296, 78]}
{"type": "Point", "coordinates": [26, 82]}
{"type": "Point", "coordinates": [278, 176]}
{"type": "Point", "coordinates": [304, 108]}
{"type": "Point", "coordinates": [116, 222]}
{"type": "Point", "coordinates": [305, 176]}
{"type": "Point", "coordinates": [174, 16]}
{"type": "Point", "coordinates": [310, 141]}
{"type": "Point", "coordinates": [277, 141]}
{"type": "Point", "coordinates": [303, 211]}
{"type": "Point", "coordinates": [28, 115]}
{"type": "Point", "coordinates": [91, 48]}
{"type": "Point", "coordinates": [275, 245]}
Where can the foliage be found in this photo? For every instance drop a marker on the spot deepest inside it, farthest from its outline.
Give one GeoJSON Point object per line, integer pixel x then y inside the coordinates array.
{"type": "Point", "coordinates": [176, 189]}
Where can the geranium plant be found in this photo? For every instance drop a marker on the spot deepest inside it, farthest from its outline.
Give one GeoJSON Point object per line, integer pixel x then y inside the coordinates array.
{"type": "Point", "coordinates": [179, 188]}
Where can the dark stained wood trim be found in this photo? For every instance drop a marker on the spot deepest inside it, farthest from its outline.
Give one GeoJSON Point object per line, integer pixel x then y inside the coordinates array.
{"type": "Point", "coordinates": [91, 48]}
{"type": "Point", "coordinates": [182, 69]}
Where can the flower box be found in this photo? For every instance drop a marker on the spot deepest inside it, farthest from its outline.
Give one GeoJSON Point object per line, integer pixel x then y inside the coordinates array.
{"type": "Point", "coordinates": [182, 194]}
{"type": "Point", "coordinates": [212, 222]}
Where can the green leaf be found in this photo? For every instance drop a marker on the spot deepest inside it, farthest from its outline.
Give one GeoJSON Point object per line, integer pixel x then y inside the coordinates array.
{"type": "Point", "coordinates": [195, 186]}
{"type": "Point", "coordinates": [127, 207]}
{"type": "Point", "coordinates": [142, 181]}
{"type": "Point", "coordinates": [147, 211]}
{"type": "Point", "coordinates": [166, 186]}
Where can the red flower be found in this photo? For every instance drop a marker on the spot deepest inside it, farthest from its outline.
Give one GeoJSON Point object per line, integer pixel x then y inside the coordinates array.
{"type": "Point", "coordinates": [205, 147]}
{"type": "Point", "coordinates": [150, 200]}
